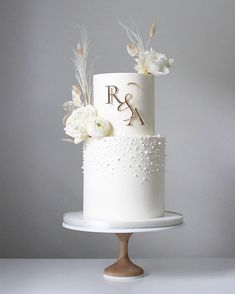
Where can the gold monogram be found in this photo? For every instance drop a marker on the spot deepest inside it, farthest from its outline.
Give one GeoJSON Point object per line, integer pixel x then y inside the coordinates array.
{"type": "Point", "coordinates": [126, 104]}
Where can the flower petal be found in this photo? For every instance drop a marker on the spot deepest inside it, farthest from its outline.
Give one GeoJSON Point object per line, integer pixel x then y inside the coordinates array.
{"type": "Point", "coordinates": [132, 49]}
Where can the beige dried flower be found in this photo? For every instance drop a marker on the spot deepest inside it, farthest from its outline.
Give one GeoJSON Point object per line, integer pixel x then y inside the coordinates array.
{"type": "Point", "coordinates": [65, 119]}
{"type": "Point", "coordinates": [79, 49]}
{"type": "Point", "coordinates": [132, 49]}
{"type": "Point", "coordinates": [152, 30]}
{"type": "Point", "coordinates": [77, 90]}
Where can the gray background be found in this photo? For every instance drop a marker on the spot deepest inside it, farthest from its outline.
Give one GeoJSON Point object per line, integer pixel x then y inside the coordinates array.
{"type": "Point", "coordinates": [41, 176]}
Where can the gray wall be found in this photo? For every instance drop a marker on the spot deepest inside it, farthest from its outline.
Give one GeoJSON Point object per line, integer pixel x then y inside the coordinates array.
{"type": "Point", "coordinates": [40, 175]}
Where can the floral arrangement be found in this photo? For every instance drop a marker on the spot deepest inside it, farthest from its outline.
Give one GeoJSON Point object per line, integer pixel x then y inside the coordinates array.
{"type": "Point", "coordinates": [148, 61]}
{"type": "Point", "coordinates": [82, 120]}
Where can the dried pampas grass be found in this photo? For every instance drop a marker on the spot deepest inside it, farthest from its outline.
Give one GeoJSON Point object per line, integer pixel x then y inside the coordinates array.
{"type": "Point", "coordinates": [82, 71]}
{"type": "Point", "coordinates": [134, 36]}
{"type": "Point", "coordinates": [137, 45]}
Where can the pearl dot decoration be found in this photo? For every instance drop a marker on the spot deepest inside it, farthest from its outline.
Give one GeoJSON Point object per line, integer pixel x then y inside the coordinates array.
{"type": "Point", "coordinates": [139, 157]}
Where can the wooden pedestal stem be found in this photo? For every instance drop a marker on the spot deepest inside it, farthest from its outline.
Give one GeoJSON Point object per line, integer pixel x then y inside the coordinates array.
{"type": "Point", "coordinates": [124, 267]}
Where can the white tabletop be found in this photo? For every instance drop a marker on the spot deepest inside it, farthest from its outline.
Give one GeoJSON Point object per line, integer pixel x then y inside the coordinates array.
{"type": "Point", "coordinates": [82, 276]}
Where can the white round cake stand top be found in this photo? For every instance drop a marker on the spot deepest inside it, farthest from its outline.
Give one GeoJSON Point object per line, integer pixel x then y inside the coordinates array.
{"type": "Point", "coordinates": [76, 221]}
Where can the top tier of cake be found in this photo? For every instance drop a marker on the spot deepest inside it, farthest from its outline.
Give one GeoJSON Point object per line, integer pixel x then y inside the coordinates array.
{"type": "Point", "coordinates": [127, 101]}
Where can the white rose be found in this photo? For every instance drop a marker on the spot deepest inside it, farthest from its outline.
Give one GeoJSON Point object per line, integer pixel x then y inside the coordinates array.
{"type": "Point", "coordinates": [153, 62]}
{"type": "Point", "coordinates": [99, 127]}
{"type": "Point", "coordinates": [77, 123]}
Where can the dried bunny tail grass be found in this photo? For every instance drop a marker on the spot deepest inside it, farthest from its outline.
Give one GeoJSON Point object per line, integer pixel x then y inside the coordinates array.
{"type": "Point", "coordinates": [90, 77]}
{"type": "Point", "coordinates": [152, 30]}
{"type": "Point", "coordinates": [134, 36]}
{"type": "Point", "coordinates": [81, 71]}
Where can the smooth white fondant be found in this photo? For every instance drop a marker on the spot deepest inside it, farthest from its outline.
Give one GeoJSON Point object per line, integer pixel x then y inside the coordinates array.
{"type": "Point", "coordinates": [124, 178]}
{"type": "Point", "coordinates": [143, 100]}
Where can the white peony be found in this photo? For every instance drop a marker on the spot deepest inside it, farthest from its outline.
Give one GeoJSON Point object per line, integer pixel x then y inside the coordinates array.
{"type": "Point", "coordinates": [77, 123]}
{"type": "Point", "coordinates": [99, 128]}
{"type": "Point", "coordinates": [153, 62]}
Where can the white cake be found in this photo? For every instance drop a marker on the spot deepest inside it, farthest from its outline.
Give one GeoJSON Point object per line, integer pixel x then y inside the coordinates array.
{"type": "Point", "coordinates": [124, 173]}
{"type": "Point", "coordinates": [113, 115]}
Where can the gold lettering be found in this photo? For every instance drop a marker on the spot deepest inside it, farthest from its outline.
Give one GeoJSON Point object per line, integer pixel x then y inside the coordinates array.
{"type": "Point", "coordinates": [136, 114]}
{"type": "Point", "coordinates": [134, 111]}
{"type": "Point", "coordinates": [112, 93]}
{"type": "Point", "coordinates": [127, 103]}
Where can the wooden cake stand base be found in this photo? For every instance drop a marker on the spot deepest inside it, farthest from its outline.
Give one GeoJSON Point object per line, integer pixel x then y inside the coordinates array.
{"type": "Point", "coordinates": [123, 267]}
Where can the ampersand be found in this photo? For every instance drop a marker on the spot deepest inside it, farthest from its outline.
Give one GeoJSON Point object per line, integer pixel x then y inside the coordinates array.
{"type": "Point", "coordinates": [126, 104]}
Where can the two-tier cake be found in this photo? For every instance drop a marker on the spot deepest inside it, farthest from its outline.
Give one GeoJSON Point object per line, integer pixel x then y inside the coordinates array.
{"type": "Point", "coordinates": [123, 158]}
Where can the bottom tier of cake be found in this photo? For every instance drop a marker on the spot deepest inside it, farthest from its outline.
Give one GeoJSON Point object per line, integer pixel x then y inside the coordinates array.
{"type": "Point", "coordinates": [124, 178]}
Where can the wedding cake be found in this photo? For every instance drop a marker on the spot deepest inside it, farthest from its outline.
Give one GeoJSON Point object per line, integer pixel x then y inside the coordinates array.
{"type": "Point", "coordinates": [123, 158]}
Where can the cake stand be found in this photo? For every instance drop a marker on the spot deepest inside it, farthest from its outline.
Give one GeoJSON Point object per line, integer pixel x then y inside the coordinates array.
{"type": "Point", "coordinates": [123, 268]}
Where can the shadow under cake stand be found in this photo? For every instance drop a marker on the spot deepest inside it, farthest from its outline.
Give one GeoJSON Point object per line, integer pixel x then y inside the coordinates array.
{"type": "Point", "coordinates": [123, 268]}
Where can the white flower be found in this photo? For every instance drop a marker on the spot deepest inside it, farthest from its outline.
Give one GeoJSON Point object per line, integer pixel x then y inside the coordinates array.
{"type": "Point", "coordinates": [77, 123]}
{"type": "Point", "coordinates": [99, 127]}
{"type": "Point", "coordinates": [153, 62]}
